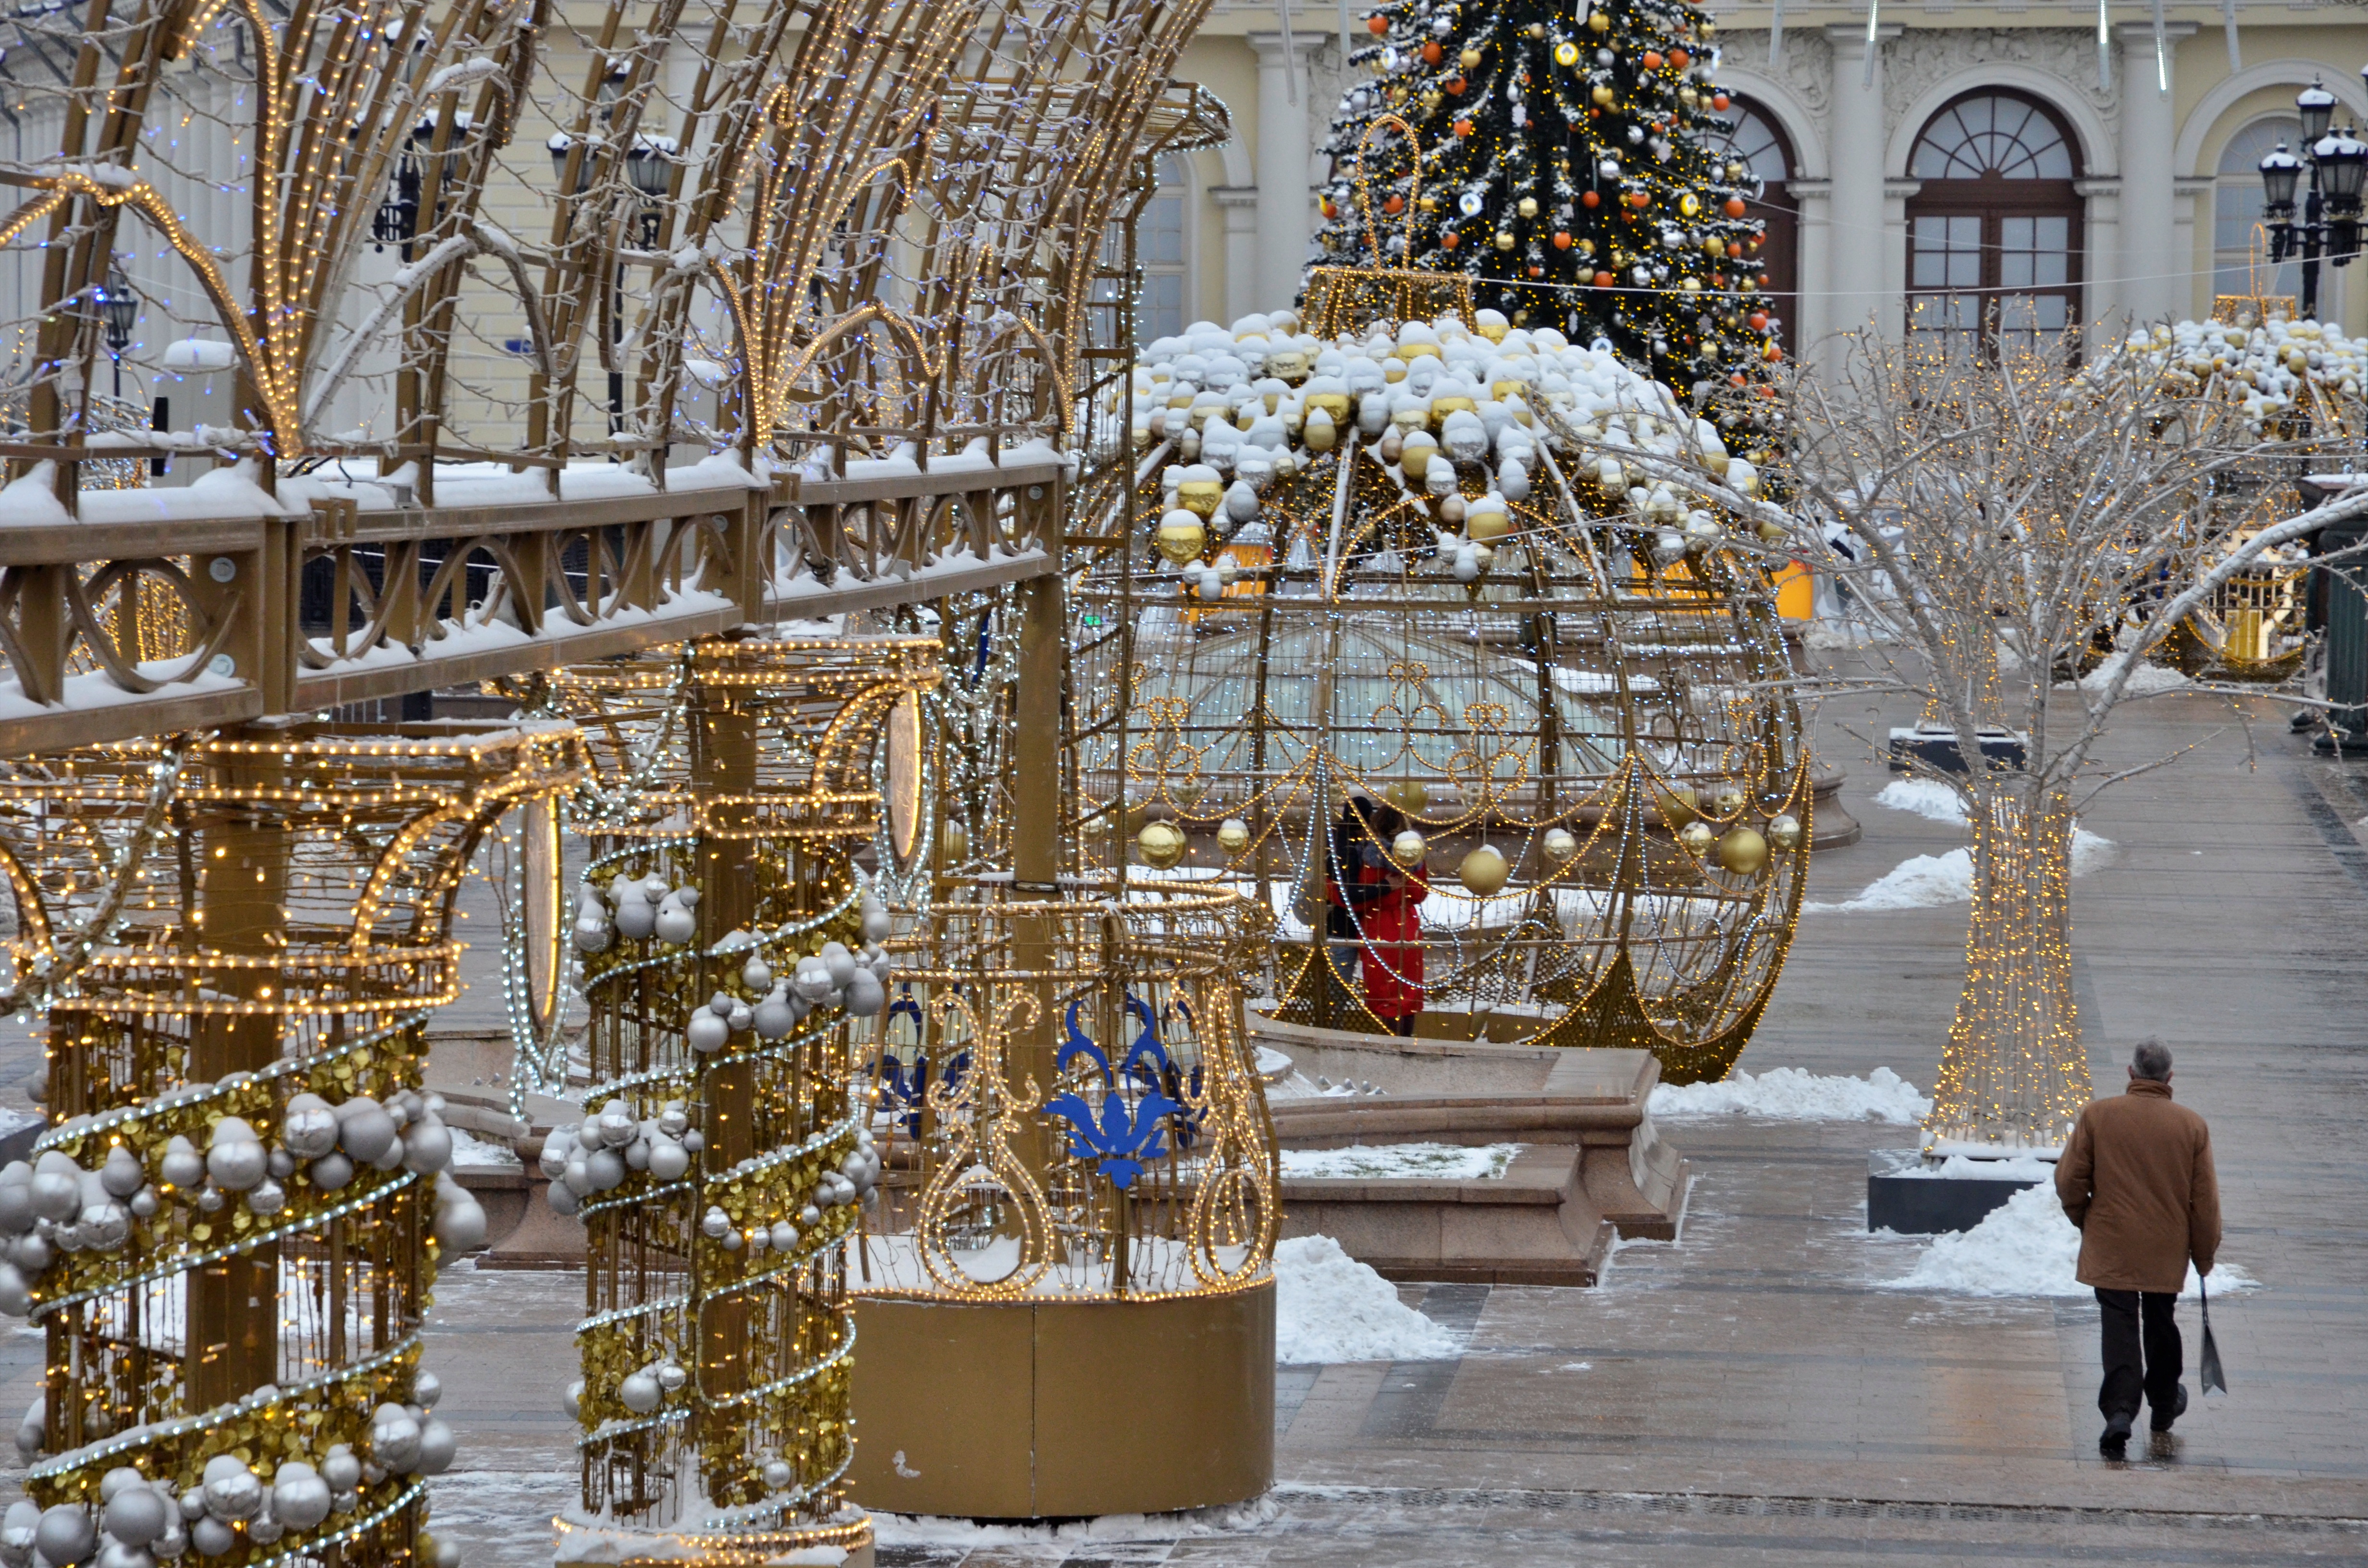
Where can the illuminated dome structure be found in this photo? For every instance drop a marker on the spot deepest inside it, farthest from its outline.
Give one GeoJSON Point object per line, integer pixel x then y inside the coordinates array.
{"type": "Point", "coordinates": [1359, 567]}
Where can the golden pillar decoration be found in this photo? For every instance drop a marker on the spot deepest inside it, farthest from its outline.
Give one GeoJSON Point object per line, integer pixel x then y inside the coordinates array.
{"type": "Point", "coordinates": [230, 1229]}
{"type": "Point", "coordinates": [727, 941]}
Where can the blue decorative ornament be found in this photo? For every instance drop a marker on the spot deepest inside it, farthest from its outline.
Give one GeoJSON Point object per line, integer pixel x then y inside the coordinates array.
{"type": "Point", "coordinates": [1079, 1044]}
{"type": "Point", "coordinates": [1123, 1140]}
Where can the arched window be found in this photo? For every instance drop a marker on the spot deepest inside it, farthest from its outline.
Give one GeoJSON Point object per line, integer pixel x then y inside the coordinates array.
{"type": "Point", "coordinates": [2236, 207]}
{"type": "Point", "coordinates": [1160, 250]}
{"type": "Point", "coordinates": [1759, 146]}
{"type": "Point", "coordinates": [1996, 223]}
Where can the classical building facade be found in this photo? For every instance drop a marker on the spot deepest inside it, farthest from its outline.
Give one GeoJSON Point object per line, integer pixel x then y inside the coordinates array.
{"type": "Point", "coordinates": [2069, 164]}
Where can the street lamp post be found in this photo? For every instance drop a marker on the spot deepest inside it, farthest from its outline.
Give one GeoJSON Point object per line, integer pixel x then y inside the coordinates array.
{"type": "Point", "coordinates": [649, 174]}
{"type": "Point", "coordinates": [2336, 162]}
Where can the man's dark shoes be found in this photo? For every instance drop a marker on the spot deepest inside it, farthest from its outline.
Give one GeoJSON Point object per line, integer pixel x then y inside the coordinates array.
{"type": "Point", "coordinates": [2177, 1408]}
{"type": "Point", "coordinates": [2115, 1443]}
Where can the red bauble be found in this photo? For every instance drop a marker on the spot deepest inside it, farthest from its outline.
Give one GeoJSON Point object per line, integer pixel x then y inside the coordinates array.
{"type": "Point", "coordinates": [1562, 236]}
{"type": "Point", "coordinates": [1732, 249]}
{"type": "Point", "coordinates": [1604, 280]}
{"type": "Point", "coordinates": [1771, 354]}
{"type": "Point", "coordinates": [1394, 205]}
{"type": "Point", "coordinates": [1734, 207]}
{"type": "Point", "coordinates": [1455, 85]}
{"type": "Point", "coordinates": [1758, 321]}
{"type": "Point", "coordinates": [1377, 26]}
{"type": "Point", "coordinates": [1639, 200]}
{"type": "Point", "coordinates": [1735, 379]}
{"type": "Point", "coordinates": [1329, 210]}
{"type": "Point", "coordinates": [1719, 102]}
{"type": "Point", "coordinates": [1451, 239]}
{"type": "Point", "coordinates": [1536, 271]}
{"type": "Point", "coordinates": [1589, 198]}
{"type": "Point", "coordinates": [1651, 60]}
{"type": "Point", "coordinates": [1680, 59]}
{"type": "Point", "coordinates": [1463, 127]}
{"type": "Point", "coordinates": [1431, 51]}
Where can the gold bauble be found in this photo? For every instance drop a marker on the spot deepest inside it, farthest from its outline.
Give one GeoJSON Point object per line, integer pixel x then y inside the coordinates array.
{"type": "Point", "coordinates": [1488, 527]}
{"type": "Point", "coordinates": [1784, 832]}
{"type": "Point", "coordinates": [1712, 244]}
{"type": "Point", "coordinates": [1771, 531]}
{"type": "Point", "coordinates": [1504, 239]}
{"type": "Point", "coordinates": [1688, 204]}
{"type": "Point", "coordinates": [1440, 407]}
{"type": "Point", "coordinates": [1601, 95]}
{"type": "Point", "coordinates": [1321, 434]}
{"type": "Point", "coordinates": [1696, 837]}
{"type": "Point", "coordinates": [1469, 60]}
{"type": "Point", "coordinates": [1408, 795]}
{"type": "Point", "coordinates": [1561, 844]}
{"type": "Point", "coordinates": [1527, 207]}
{"type": "Point", "coordinates": [1407, 849]}
{"type": "Point", "coordinates": [1483, 870]}
{"type": "Point", "coordinates": [1537, 29]}
{"type": "Point", "coordinates": [1333, 404]}
{"type": "Point", "coordinates": [1742, 851]}
{"type": "Point", "coordinates": [1233, 835]}
{"type": "Point", "coordinates": [1598, 22]}
{"type": "Point", "coordinates": [1288, 365]}
{"type": "Point", "coordinates": [1413, 351]}
{"type": "Point", "coordinates": [1565, 54]}
{"type": "Point", "coordinates": [1730, 801]}
{"type": "Point", "coordinates": [1161, 844]}
{"type": "Point", "coordinates": [1181, 539]}
{"type": "Point", "coordinates": [1200, 497]}
{"type": "Point", "coordinates": [1677, 803]}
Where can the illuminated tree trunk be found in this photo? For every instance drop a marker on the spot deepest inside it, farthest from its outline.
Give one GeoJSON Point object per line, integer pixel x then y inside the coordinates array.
{"type": "Point", "coordinates": [2014, 1075]}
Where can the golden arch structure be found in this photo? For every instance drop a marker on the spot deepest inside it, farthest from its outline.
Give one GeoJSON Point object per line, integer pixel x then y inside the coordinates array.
{"type": "Point", "coordinates": [576, 351]}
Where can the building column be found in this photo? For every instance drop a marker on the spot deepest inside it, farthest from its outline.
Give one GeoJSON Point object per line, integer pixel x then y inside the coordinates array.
{"type": "Point", "coordinates": [1239, 203]}
{"type": "Point", "coordinates": [2149, 213]}
{"type": "Point", "coordinates": [2104, 308]}
{"type": "Point", "coordinates": [1863, 244]}
{"type": "Point", "coordinates": [1286, 196]}
{"type": "Point", "coordinates": [2189, 208]}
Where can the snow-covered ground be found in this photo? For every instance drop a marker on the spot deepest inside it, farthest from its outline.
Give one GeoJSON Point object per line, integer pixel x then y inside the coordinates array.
{"type": "Point", "coordinates": [1329, 1307]}
{"type": "Point", "coordinates": [2026, 1248]}
{"type": "Point", "coordinates": [1380, 1162]}
{"type": "Point", "coordinates": [1788, 1094]}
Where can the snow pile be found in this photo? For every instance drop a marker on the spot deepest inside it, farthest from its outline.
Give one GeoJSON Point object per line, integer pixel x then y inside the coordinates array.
{"type": "Point", "coordinates": [1925, 797]}
{"type": "Point", "coordinates": [2025, 1248]}
{"type": "Point", "coordinates": [1787, 1093]}
{"type": "Point", "coordinates": [928, 1530]}
{"type": "Point", "coordinates": [1329, 1307]}
{"type": "Point", "coordinates": [1300, 1087]}
{"type": "Point", "coordinates": [471, 1152]}
{"type": "Point", "coordinates": [1388, 1162]}
{"type": "Point", "coordinates": [1924, 881]}
{"type": "Point", "coordinates": [2145, 681]}
{"type": "Point", "coordinates": [1965, 1167]}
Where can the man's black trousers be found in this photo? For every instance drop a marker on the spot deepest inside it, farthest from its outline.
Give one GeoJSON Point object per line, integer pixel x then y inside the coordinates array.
{"type": "Point", "coordinates": [2133, 1320]}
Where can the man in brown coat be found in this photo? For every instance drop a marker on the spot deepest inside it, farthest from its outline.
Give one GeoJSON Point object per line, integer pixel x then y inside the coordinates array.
{"type": "Point", "coordinates": [2138, 1179]}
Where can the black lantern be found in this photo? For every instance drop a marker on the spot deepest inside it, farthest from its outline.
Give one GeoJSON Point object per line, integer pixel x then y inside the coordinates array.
{"type": "Point", "coordinates": [118, 307]}
{"type": "Point", "coordinates": [2281, 172]}
{"type": "Point", "coordinates": [398, 219]}
{"type": "Point", "coordinates": [2329, 225]}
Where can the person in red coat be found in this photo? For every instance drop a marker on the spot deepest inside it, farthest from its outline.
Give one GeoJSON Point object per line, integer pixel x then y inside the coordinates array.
{"type": "Point", "coordinates": [1384, 896]}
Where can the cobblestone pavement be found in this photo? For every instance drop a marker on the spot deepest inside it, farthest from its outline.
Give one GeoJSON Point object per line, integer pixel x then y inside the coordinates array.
{"type": "Point", "coordinates": [1751, 1394]}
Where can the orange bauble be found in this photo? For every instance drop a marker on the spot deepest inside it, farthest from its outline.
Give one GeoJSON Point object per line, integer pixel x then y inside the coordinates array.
{"type": "Point", "coordinates": [1431, 51]}
{"type": "Point", "coordinates": [1377, 26]}
{"type": "Point", "coordinates": [1328, 208]}
{"type": "Point", "coordinates": [1734, 207]}
{"type": "Point", "coordinates": [1604, 280]}
{"type": "Point", "coordinates": [1680, 58]}
{"type": "Point", "coordinates": [1639, 200]}
{"type": "Point", "coordinates": [1463, 127]}
{"type": "Point", "coordinates": [1455, 85]}
{"type": "Point", "coordinates": [1719, 101]}
{"type": "Point", "coordinates": [1734, 250]}
{"type": "Point", "coordinates": [1451, 239]}
{"type": "Point", "coordinates": [1651, 60]}
{"type": "Point", "coordinates": [1771, 354]}
{"type": "Point", "coordinates": [1758, 321]}
{"type": "Point", "coordinates": [1735, 379]}
{"type": "Point", "coordinates": [1394, 205]}
{"type": "Point", "coordinates": [1561, 239]}
{"type": "Point", "coordinates": [1589, 198]}
{"type": "Point", "coordinates": [1537, 271]}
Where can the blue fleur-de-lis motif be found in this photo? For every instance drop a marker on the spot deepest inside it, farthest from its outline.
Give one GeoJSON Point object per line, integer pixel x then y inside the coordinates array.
{"type": "Point", "coordinates": [1146, 1059]}
{"type": "Point", "coordinates": [901, 1089]}
{"type": "Point", "coordinates": [1123, 1139]}
{"type": "Point", "coordinates": [906, 1006]}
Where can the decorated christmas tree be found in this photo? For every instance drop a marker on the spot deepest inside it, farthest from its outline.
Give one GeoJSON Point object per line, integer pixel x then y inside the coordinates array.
{"type": "Point", "coordinates": [1572, 160]}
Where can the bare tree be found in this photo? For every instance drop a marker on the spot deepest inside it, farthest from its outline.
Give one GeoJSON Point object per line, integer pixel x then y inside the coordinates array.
{"type": "Point", "coordinates": [2001, 523]}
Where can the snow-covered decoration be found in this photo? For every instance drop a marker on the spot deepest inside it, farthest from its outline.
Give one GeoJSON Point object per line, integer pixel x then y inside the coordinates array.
{"type": "Point", "coordinates": [727, 944]}
{"type": "Point", "coordinates": [2276, 370]}
{"type": "Point", "coordinates": [230, 1226]}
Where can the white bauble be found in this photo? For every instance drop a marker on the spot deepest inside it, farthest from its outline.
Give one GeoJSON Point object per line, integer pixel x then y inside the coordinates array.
{"type": "Point", "coordinates": [211, 1537]}
{"type": "Point", "coordinates": [426, 1146]}
{"type": "Point", "coordinates": [675, 921]}
{"type": "Point", "coordinates": [121, 1176]}
{"type": "Point", "coordinates": [181, 1166]}
{"type": "Point", "coordinates": [640, 1393]}
{"type": "Point", "coordinates": [706, 1032]}
{"type": "Point", "coordinates": [865, 995]}
{"type": "Point", "coordinates": [365, 1130]}
{"type": "Point", "coordinates": [331, 1172]}
{"type": "Point", "coordinates": [668, 1159]}
{"type": "Point", "coordinates": [394, 1440]}
{"type": "Point", "coordinates": [232, 1491]}
{"type": "Point", "coordinates": [300, 1498]}
{"type": "Point", "coordinates": [437, 1447]}
{"type": "Point", "coordinates": [341, 1469]}
{"type": "Point", "coordinates": [773, 1016]}
{"type": "Point", "coordinates": [309, 1129]}
{"type": "Point", "coordinates": [135, 1515]}
{"type": "Point", "coordinates": [65, 1534]}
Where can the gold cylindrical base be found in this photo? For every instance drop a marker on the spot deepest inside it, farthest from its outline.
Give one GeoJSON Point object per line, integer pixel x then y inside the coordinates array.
{"type": "Point", "coordinates": [1054, 1409]}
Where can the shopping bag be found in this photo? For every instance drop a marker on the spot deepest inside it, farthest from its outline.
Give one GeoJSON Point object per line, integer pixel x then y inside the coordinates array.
{"type": "Point", "coordinates": [2208, 1370]}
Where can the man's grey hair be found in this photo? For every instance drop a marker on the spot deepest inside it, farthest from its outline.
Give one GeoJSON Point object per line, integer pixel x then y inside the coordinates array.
{"type": "Point", "coordinates": [2151, 1060]}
